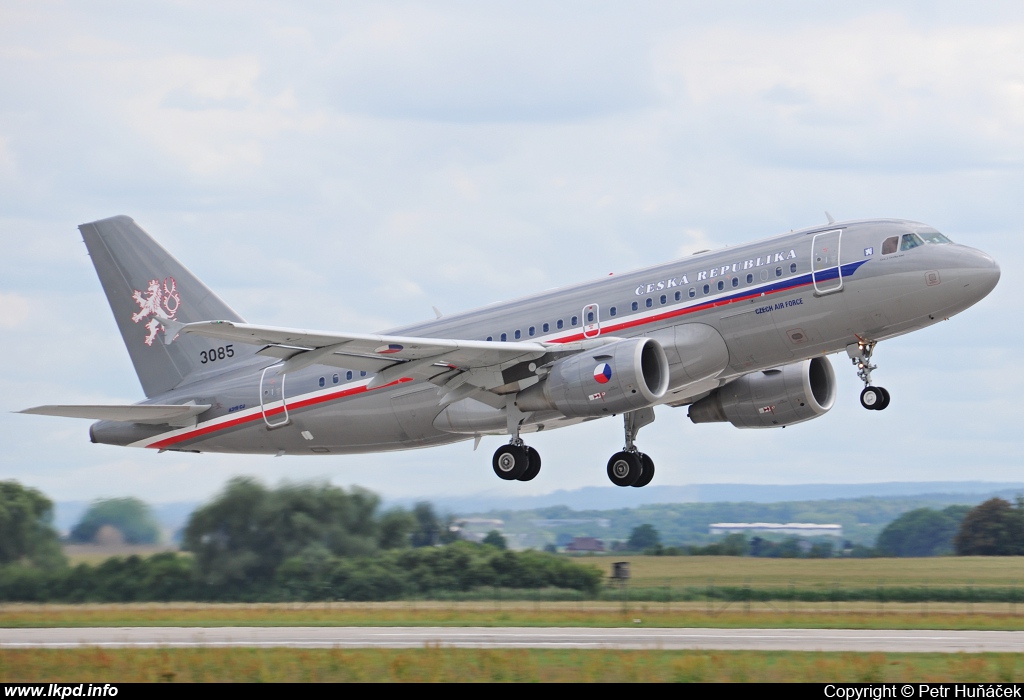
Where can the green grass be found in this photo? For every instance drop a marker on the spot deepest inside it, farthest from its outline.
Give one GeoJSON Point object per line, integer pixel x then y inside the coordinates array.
{"type": "Point", "coordinates": [496, 665]}
{"type": "Point", "coordinates": [770, 573]}
{"type": "Point", "coordinates": [523, 614]}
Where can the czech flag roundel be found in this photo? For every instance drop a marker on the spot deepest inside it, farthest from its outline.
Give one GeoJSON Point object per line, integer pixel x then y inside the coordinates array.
{"type": "Point", "coordinates": [602, 373]}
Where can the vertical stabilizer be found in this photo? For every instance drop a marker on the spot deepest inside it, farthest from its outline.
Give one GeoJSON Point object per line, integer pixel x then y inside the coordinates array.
{"type": "Point", "coordinates": [144, 285]}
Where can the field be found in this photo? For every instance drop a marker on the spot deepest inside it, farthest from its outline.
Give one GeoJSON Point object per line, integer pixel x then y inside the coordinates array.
{"type": "Point", "coordinates": [763, 573]}
{"type": "Point", "coordinates": [524, 614]}
{"type": "Point", "coordinates": [491, 665]}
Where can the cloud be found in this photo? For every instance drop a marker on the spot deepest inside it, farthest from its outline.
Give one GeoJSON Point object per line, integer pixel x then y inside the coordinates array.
{"type": "Point", "coordinates": [15, 310]}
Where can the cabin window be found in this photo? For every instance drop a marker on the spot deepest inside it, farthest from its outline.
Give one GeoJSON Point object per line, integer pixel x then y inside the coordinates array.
{"type": "Point", "coordinates": [679, 295]}
{"type": "Point", "coordinates": [910, 240]}
{"type": "Point", "coordinates": [348, 375]}
{"type": "Point", "coordinates": [545, 328]}
{"type": "Point", "coordinates": [612, 311]}
{"type": "Point", "coordinates": [323, 382]}
{"type": "Point", "coordinates": [764, 275]}
{"type": "Point", "coordinates": [735, 281]}
{"type": "Point", "coordinates": [664, 299]}
{"type": "Point", "coordinates": [707, 289]}
{"type": "Point", "coordinates": [693, 292]}
{"type": "Point", "coordinates": [362, 373]}
{"type": "Point", "coordinates": [792, 267]}
{"type": "Point", "coordinates": [650, 302]}
{"type": "Point", "coordinates": [590, 317]}
{"type": "Point", "coordinates": [335, 379]}
{"type": "Point", "coordinates": [518, 334]}
{"type": "Point", "coordinates": [750, 278]}
{"type": "Point", "coordinates": [559, 324]}
{"type": "Point", "coordinates": [533, 331]}
{"type": "Point", "coordinates": [574, 320]}
{"type": "Point", "coordinates": [504, 337]}
{"type": "Point", "coordinates": [490, 338]}
{"type": "Point", "coordinates": [889, 245]}
{"type": "Point", "coordinates": [635, 306]}
{"type": "Point", "coordinates": [778, 272]}
{"type": "Point", "coordinates": [721, 285]}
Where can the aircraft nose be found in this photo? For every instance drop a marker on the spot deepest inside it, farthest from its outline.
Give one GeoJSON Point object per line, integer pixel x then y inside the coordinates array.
{"type": "Point", "coordinates": [979, 272]}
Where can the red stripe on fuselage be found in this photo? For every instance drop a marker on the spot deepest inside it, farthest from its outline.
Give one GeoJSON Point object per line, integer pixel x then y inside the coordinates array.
{"type": "Point", "coordinates": [344, 393]}
{"type": "Point", "coordinates": [323, 398]}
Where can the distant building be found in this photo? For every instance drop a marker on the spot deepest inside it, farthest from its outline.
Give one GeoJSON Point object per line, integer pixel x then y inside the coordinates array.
{"type": "Point", "coordinates": [476, 529]}
{"type": "Point", "coordinates": [805, 529]}
{"type": "Point", "coordinates": [562, 522]}
{"type": "Point", "coordinates": [585, 544]}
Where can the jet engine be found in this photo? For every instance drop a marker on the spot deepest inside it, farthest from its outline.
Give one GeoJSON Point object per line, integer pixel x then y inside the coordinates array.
{"type": "Point", "coordinates": [772, 398]}
{"type": "Point", "coordinates": [614, 378]}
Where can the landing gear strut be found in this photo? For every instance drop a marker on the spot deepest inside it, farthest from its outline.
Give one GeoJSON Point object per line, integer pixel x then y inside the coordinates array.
{"type": "Point", "coordinates": [874, 398]}
{"type": "Point", "coordinates": [631, 467]}
{"type": "Point", "coordinates": [516, 461]}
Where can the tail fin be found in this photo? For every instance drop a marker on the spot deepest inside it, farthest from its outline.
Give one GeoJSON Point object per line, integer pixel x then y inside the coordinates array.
{"type": "Point", "coordinates": [144, 285]}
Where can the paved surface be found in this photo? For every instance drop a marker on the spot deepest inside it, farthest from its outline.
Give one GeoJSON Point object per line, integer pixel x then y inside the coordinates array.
{"type": "Point", "coordinates": [517, 637]}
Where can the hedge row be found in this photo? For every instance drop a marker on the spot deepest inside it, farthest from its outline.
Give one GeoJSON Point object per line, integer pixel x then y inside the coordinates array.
{"type": "Point", "coordinates": [460, 568]}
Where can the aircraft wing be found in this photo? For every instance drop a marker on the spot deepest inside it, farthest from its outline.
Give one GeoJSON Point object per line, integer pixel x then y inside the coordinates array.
{"type": "Point", "coordinates": [389, 356]}
{"type": "Point", "coordinates": [462, 353]}
{"type": "Point", "coordinates": [129, 413]}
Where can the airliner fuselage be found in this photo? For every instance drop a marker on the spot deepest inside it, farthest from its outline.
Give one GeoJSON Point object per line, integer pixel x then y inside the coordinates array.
{"type": "Point", "coordinates": [739, 334]}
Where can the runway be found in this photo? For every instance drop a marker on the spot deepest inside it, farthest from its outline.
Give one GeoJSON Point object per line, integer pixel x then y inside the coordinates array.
{"type": "Point", "coordinates": [518, 638]}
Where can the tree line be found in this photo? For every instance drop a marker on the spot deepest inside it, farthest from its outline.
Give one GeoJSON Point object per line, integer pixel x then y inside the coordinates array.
{"type": "Point", "coordinates": [993, 528]}
{"type": "Point", "coordinates": [294, 542]}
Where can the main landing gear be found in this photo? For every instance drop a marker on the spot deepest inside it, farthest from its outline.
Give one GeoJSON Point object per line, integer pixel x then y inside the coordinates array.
{"type": "Point", "coordinates": [874, 398]}
{"type": "Point", "coordinates": [631, 467]}
{"type": "Point", "coordinates": [516, 461]}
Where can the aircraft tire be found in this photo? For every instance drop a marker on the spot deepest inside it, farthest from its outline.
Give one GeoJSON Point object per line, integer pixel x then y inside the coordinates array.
{"type": "Point", "coordinates": [871, 398]}
{"type": "Point", "coordinates": [533, 468]}
{"type": "Point", "coordinates": [510, 461]}
{"type": "Point", "coordinates": [624, 468]}
{"type": "Point", "coordinates": [646, 472]}
{"type": "Point", "coordinates": [885, 400]}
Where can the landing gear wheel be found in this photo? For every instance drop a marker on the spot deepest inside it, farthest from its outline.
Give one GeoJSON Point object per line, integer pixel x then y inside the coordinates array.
{"type": "Point", "coordinates": [647, 471]}
{"type": "Point", "coordinates": [624, 468]}
{"type": "Point", "coordinates": [533, 468]}
{"type": "Point", "coordinates": [885, 400]}
{"type": "Point", "coordinates": [873, 398]}
{"type": "Point", "coordinates": [510, 462]}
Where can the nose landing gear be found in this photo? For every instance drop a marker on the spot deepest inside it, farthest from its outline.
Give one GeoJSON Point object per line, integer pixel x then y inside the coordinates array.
{"type": "Point", "coordinates": [874, 398]}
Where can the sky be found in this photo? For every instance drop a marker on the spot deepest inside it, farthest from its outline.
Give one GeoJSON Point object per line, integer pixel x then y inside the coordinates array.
{"type": "Point", "coordinates": [347, 166]}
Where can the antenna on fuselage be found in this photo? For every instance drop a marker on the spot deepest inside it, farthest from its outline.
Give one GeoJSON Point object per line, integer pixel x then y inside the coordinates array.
{"type": "Point", "coordinates": [829, 217]}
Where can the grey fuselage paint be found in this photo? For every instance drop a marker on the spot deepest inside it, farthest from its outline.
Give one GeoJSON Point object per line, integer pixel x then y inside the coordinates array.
{"type": "Point", "coordinates": [794, 307]}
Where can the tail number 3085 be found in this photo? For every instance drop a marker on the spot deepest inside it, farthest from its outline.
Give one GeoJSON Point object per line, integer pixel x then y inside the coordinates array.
{"type": "Point", "coordinates": [214, 354]}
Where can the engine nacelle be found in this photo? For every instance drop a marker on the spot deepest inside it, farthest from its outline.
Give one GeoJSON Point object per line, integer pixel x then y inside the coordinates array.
{"type": "Point", "coordinates": [614, 378]}
{"type": "Point", "coordinates": [772, 398]}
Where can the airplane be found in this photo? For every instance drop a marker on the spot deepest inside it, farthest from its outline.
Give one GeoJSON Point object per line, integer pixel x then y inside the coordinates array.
{"type": "Point", "coordinates": [739, 335]}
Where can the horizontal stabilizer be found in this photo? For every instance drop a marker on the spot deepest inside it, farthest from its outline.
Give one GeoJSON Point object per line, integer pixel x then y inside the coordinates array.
{"type": "Point", "coordinates": [173, 414]}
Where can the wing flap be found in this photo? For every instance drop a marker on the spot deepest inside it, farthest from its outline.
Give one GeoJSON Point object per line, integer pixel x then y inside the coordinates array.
{"type": "Point", "coordinates": [126, 413]}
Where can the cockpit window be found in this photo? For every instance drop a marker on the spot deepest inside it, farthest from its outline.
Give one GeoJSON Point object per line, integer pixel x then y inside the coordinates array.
{"type": "Point", "coordinates": [933, 237]}
{"type": "Point", "coordinates": [910, 240]}
{"type": "Point", "coordinates": [890, 245]}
